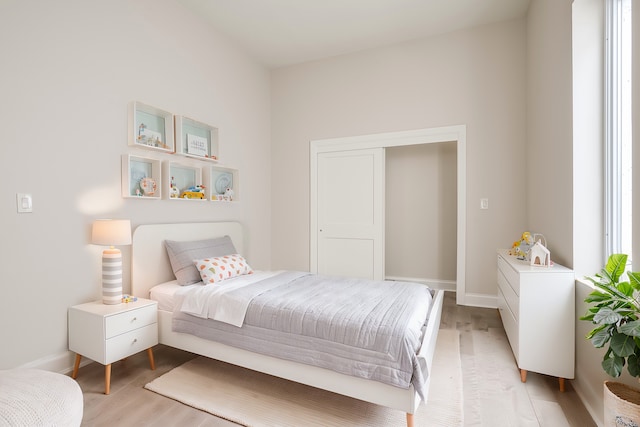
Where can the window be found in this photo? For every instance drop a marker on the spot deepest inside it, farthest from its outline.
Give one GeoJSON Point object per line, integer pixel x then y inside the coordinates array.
{"type": "Point", "coordinates": [618, 179]}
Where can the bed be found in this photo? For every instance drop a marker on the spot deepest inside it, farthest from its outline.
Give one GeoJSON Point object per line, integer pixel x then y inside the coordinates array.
{"type": "Point", "coordinates": [151, 266]}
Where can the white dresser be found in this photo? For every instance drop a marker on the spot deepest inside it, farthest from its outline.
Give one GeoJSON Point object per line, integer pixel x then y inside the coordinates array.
{"type": "Point", "coordinates": [537, 307]}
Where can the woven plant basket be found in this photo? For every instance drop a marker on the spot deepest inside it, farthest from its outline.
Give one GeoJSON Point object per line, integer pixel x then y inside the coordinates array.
{"type": "Point", "coordinates": [621, 405]}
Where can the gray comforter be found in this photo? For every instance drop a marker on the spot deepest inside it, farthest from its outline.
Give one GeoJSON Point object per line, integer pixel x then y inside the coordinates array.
{"type": "Point", "coordinates": [368, 329]}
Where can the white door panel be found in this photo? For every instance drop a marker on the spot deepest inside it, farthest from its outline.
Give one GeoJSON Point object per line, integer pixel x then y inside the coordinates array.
{"type": "Point", "coordinates": [350, 211]}
{"type": "Point", "coordinates": [348, 257]}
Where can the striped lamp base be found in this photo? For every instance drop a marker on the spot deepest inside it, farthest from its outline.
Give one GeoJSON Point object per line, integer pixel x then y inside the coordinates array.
{"type": "Point", "coordinates": [111, 276]}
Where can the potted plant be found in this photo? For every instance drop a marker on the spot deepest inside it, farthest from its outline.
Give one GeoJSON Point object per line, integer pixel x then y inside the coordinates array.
{"type": "Point", "coordinates": [615, 312]}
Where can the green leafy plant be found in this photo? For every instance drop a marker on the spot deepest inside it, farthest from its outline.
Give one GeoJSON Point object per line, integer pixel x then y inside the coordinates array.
{"type": "Point", "coordinates": [616, 314]}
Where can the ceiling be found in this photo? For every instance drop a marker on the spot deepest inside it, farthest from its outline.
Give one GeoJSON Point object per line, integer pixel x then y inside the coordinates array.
{"type": "Point", "coordinates": [284, 32]}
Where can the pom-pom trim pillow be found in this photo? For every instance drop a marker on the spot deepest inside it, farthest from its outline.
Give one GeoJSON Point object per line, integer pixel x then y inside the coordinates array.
{"type": "Point", "coordinates": [217, 269]}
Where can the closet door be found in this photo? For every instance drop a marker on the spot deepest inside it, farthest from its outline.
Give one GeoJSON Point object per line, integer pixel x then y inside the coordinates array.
{"type": "Point", "coordinates": [350, 213]}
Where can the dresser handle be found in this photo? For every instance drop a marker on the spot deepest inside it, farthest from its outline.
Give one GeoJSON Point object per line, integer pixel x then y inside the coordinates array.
{"type": "Point", "coordinates": [134, 319]}
{"type": "Point", "coordinates": [135, 340]}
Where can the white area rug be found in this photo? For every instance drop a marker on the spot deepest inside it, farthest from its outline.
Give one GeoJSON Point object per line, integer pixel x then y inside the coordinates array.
{"type": "Point", "coordinates": [252, 399]}
{"type": "Point", "coordinates": [494, 394]}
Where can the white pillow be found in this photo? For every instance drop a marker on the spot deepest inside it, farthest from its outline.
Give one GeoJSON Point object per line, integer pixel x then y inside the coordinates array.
{"type": "Point", "coordinates": [217, 269]}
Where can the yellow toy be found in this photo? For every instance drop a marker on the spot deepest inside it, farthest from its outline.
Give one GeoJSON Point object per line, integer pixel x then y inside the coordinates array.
{"type": "Point", "coordinates": [521, 247]}
{"type": "Point", "coordinates": [129, 298]}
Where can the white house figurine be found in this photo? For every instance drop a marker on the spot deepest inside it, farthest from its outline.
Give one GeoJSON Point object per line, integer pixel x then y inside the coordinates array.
{"type": "Point", "coordinates": [540, 255]}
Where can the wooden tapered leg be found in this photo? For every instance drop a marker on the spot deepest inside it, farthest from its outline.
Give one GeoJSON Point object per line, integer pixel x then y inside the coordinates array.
{"type": "Point", "coordinates": [523, 375]}
{"type": "Point", "coordinates": [409, 420]}
{"type": "Point", "coordinates": [76, 365]}
{"type": "Point", "coordinates": [151, 361]}
{"type": "Point", "coordinates": [561, 381]}
{"type": "Point", "coordinates": [107, 379]}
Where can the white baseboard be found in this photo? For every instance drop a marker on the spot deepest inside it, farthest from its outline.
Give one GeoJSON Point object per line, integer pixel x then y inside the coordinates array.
{"type": "Point", "coordinates": [586, 401]}
{"type": "Point", "coordinates": [479, 300]}
{"type": "Point", "coordinates": [61, 363]}
{"type": "Point", "coordinates": [473, 300]}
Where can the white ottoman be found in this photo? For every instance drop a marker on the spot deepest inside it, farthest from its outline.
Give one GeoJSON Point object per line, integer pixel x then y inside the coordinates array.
{"type": "Point", "coordinates": [33, 397]}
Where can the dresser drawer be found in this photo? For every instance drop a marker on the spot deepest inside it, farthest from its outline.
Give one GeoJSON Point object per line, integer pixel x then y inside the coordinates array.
{"type": "Point", "coordinates": [129, 320]}
{"type": "Point", "coordinates": [510, 324]}
{"type": "Point", "coordinates": [511, 299]}
{"type": "Point", "coordinates": [512, 277]}
{"type": "Point", "coordinates": [130, 343]}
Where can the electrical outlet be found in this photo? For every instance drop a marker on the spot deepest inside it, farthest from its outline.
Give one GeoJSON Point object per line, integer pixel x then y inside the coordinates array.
{"type": "Point", "coordinates": [484, 203]}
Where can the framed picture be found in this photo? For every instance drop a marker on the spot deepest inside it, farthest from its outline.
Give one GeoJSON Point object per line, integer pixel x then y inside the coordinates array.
{"type": "Point", "coordinates": [196, 139]}
{"type": "Point", "coordinates": [197, 145]}
{"type": "Point", "coordinates": [150, 128]}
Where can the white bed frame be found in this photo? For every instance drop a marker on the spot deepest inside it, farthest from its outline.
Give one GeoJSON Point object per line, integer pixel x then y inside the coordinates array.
{"type": "Point", "coordinates": [150, 266]}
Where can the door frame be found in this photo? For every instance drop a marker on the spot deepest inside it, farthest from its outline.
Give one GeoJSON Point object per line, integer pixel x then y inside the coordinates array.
{"type": "Point", "coordinates": [457, 134]}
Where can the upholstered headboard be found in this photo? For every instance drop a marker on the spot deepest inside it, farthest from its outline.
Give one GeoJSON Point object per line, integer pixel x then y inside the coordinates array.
{"type": "Point", "coordinates": [149, 260]}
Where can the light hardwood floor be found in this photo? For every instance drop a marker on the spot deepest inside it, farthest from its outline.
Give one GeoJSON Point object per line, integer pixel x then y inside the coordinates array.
{"type": "Point", "coordinates": [129, 404]}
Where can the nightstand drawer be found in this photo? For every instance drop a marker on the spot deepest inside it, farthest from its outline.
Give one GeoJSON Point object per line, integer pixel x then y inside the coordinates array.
{"type": "Point", "coordinates": [130, 343]}
{"type": "Point", "coordinates": [130, 320]}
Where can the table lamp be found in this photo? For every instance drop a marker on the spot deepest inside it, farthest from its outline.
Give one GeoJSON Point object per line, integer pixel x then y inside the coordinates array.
{"type": "Point", "coordinates": [111, 232]}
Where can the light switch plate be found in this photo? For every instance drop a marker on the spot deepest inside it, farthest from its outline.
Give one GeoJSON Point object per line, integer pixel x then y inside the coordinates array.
{"type": "Point", "coordinates": [24, 202]}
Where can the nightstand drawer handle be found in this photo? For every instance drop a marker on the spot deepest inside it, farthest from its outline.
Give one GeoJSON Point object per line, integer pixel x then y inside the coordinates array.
{"type": "Point", "coordinates": [134, 319]}
{"type": "Point", "coordinates": [135, 340]}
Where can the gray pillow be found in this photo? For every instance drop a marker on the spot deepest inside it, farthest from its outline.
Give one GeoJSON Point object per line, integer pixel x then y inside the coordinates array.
{"type": "Point", "coordinates": [182, 254]}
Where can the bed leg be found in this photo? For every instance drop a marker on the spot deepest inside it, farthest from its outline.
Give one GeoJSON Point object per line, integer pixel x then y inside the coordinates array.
{"type": "Point", "coordinates": [409, 420]}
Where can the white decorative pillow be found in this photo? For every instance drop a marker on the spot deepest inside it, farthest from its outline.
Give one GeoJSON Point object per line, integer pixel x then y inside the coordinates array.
{"type": "Point", "coordinates": [217, 269]}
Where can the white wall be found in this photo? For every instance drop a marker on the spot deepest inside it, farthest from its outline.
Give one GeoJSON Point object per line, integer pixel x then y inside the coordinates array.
{"type": "Point", "coordinates": [588, 193]}
{"type": "Point", "coordinates": [588, 134]}
{"type": "Point", "coordinates": [588, 114]}
{"type": "Point", "coordinates": [549, 153]}
{"type": "Point", "coordinates": [636, 133]}
{"type": "Point", "coordinates": [474, 77]}
{"type": "Point", "coordinates": [420, 207]}
{"type": "Point", "coordinates": [69, 69]}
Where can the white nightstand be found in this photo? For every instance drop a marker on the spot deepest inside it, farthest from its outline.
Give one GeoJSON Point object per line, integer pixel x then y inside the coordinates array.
{"type": "Point", "coordinates": [108, 333]}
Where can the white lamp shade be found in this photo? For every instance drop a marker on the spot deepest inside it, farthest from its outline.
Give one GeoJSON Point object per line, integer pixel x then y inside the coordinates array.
{"type": "Point", "coordinates": [111, 232]}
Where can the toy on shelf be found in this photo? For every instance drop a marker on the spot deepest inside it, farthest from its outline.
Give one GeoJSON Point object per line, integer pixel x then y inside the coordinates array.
{"type": "Point", "coordinates": [195, 192]}
{"type": "Point", "coordinates": [174, 192]}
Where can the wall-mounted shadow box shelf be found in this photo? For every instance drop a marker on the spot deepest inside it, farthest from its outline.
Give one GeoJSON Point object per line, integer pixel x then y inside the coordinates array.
{"type": "Point", "coordinates": [196, 139]}
{"type": "Point", "coordinates": [223, 184]}
{"type": "Point", "coordinates": [141, 177]}
{"type": "Point", "coordinates": [150, 128]}
{"type": "Point", "coordinates": [183, 182]}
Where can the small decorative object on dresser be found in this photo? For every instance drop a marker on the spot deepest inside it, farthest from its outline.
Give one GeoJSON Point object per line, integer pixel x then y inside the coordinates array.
{"type": "Point", "coordinates": [108, 333]}
{"type": "Point", "coordinates": [537, 307]}
{"type": "Point", "coordinates": [539, 255]}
